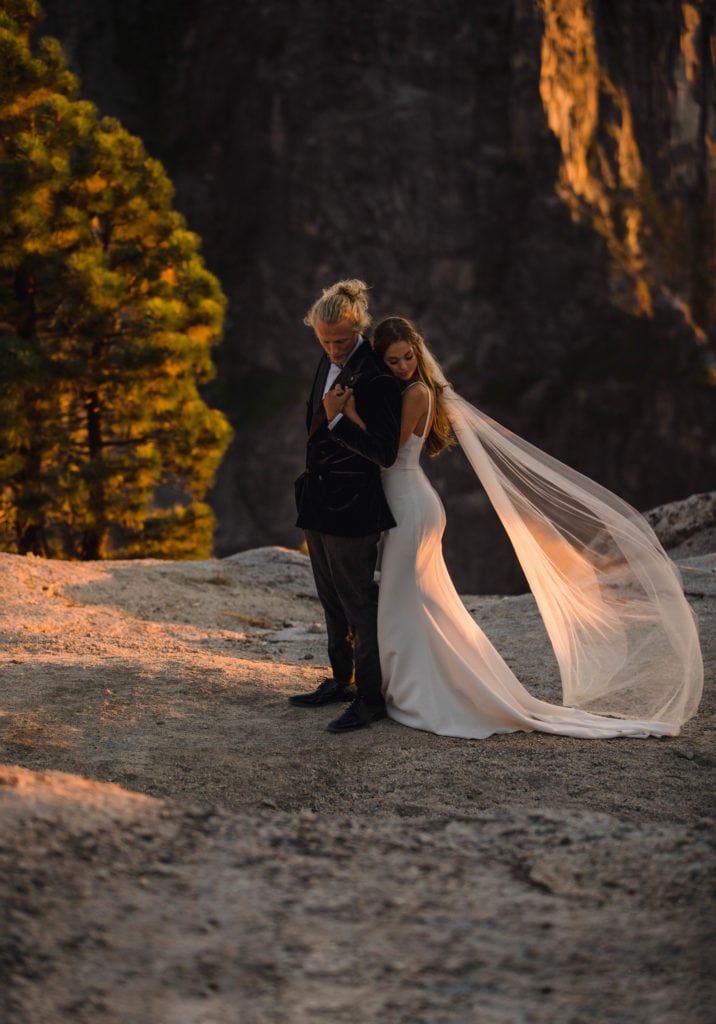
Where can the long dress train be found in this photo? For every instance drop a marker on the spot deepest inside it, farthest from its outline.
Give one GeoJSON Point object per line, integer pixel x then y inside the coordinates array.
{"type": "Point", "coordinates": [440, 671]}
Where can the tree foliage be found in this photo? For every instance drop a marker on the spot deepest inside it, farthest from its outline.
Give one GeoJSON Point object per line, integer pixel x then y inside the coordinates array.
{"type": "Point", "coordinates": [107, 320]}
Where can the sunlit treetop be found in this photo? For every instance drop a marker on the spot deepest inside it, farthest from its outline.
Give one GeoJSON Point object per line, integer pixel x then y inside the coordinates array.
{"type": "Point", "coordinates": [109, 316]}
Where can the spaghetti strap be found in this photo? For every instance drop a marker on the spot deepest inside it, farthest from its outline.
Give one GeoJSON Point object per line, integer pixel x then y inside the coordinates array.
{"type": "Point", "coordinates": [428, 417]}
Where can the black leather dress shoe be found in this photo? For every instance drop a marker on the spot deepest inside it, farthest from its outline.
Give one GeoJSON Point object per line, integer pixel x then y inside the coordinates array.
{"type": "Point", "coordinates": [329, 692]}
{"type": "Point", "coordinates": [358, 716]}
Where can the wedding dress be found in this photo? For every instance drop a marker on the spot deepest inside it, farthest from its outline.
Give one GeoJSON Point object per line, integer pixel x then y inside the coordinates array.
{"type": "Point", "coordinates": [623, 634]}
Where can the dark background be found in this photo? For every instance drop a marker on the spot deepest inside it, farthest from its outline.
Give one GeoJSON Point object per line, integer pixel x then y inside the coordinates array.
{"type": "Point", "coordinates": [527, 180]}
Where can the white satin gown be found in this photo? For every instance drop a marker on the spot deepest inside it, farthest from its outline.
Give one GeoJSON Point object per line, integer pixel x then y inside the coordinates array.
{"type": "Point", "coordinates": [440, 671]}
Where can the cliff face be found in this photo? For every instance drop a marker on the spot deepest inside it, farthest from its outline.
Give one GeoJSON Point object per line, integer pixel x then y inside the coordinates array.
{"type": "Point", "coordinates": [633, 142]}
{"type": "Point", "coordinates": [529, 181]}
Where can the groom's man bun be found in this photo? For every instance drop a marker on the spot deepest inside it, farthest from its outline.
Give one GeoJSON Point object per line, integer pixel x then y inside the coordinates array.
{"type": "Point", "coordinates": [344, 300]}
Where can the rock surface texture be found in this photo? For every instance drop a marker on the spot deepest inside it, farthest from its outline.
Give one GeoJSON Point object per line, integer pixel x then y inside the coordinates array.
{"type": "Point", "coordinates": [179, 845]}
{"type": "Point", "coordinates": [532, 180]}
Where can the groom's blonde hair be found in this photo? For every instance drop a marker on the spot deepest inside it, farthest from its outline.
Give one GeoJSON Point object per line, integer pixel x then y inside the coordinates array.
{"type": "Point", "coordinates": [344, 300]}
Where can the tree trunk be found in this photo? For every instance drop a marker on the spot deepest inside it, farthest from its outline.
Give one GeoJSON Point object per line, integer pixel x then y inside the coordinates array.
{"type": "Point", "coordinates": [30, 521]}
{"type": "Point", "coordinates": [31, 538]}
{"type": "Point", "coordinates": [94, 537]}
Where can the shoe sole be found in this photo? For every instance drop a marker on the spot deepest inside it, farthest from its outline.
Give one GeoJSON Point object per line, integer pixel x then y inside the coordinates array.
{"type": "Point", "coordinates": [354, 728]}
{"type": "Point", "coordinates": [323, 703]}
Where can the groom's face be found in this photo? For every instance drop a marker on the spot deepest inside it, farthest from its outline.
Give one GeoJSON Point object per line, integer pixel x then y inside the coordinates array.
{"type": "Point", "coordinates": [337, 340]}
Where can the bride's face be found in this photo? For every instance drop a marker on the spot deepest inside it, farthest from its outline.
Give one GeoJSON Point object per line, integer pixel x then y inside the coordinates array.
{"type": "Point", "coordinates": [400, 360]}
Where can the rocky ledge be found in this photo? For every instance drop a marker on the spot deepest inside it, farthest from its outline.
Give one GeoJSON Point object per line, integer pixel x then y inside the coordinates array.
{"type": "Point", "coordinates": [179, 845]}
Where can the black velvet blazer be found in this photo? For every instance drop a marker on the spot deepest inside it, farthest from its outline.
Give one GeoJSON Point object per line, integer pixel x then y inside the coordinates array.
{"type": "Point", "coordinates": [340, 491]}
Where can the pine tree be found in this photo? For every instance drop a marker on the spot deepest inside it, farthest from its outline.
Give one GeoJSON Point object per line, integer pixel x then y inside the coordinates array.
{"type": "Point", "coordinates": [107, 319]}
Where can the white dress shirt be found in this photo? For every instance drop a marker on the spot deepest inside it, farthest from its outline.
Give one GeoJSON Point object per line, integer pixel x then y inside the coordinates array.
{"type": "Point", "coordinates": [333, 370]}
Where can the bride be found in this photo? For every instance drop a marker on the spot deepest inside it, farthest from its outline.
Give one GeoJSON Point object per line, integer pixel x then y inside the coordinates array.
{"type": "Point", "coordinates": [622, 632]}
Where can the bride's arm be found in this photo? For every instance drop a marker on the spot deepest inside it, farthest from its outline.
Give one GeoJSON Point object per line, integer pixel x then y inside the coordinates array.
{"type": "Point", "coordinates": [351, 412]}
{"type": "Point", "coordinates": [415, 408]}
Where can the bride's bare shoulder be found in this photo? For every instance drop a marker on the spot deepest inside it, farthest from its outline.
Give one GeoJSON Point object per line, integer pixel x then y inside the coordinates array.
{"type": "Point", "coordinates": [416, 391]}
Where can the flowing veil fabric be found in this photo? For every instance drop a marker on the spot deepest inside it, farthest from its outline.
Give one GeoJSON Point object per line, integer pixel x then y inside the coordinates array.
{"type": "Point", "coordinates": [623, 634]}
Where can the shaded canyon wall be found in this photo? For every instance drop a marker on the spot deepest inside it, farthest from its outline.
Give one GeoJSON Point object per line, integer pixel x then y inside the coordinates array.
{"type": "Point", "coordinates": [531, 181]}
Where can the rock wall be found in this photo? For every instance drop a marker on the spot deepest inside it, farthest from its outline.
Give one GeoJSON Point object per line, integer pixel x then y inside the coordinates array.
{"type": "Point", "coordinates": [528, 180]}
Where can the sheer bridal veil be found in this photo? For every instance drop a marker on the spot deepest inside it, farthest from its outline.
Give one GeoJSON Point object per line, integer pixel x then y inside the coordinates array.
{"type": "Point", "coordinates": [611, 600]}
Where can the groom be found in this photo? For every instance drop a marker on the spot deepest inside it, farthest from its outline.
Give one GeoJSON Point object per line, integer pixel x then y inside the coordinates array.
{"type": "Point", "coordinates": [340, 500]}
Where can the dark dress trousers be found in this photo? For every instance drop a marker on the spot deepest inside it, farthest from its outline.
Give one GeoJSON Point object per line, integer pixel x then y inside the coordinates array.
{"type": "Point", "coordinates": [342, 509]}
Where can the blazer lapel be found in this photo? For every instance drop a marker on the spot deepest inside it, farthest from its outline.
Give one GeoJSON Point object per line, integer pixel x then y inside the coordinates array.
{"type": "Point", "coordinates": [314, 399]}
{"type": "Point", "coordinates": [319, 383]}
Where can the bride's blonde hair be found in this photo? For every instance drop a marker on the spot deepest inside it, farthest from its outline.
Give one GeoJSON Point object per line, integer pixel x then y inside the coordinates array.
{"type": "Point", "coordinates": [394, 329]}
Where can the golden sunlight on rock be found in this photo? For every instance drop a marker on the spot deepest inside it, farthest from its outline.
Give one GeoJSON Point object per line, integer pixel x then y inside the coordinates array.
{"type": "Point", "coordinates": [691, 21]}
{"type": "Point", "coordinates": [60, 788]}
{"type": "Point", "coordinates": [601, 175]}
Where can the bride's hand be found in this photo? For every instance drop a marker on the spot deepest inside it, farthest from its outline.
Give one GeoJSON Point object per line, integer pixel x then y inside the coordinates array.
{"type": "Point", "coordinates": [334, 401]}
